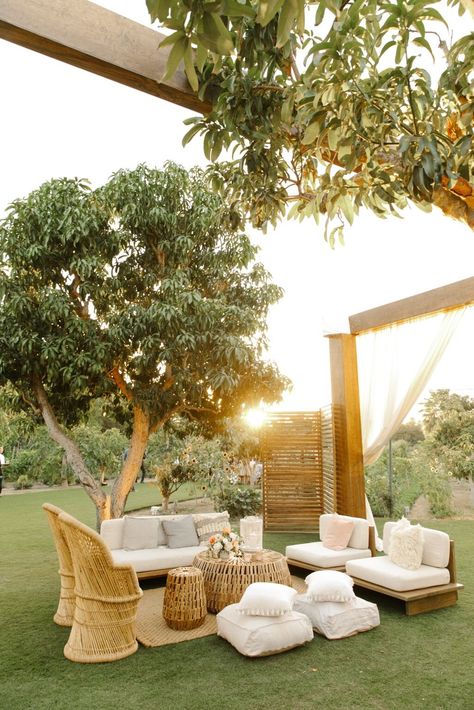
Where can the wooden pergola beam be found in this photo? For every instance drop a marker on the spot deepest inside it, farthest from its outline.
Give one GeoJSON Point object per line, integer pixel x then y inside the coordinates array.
{"type": "Point", "coordinates": [90, 37]}
{"type": "Point", "coordinates": [455, 295]}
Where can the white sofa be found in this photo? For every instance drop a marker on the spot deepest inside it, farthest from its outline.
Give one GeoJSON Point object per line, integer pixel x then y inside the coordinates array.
{"type": "Point", "coordinates": [152, 557]}
{"type": "Point", "coordinates": [314, 556]}
{"type": "Point", "coordinates": [432, 586]}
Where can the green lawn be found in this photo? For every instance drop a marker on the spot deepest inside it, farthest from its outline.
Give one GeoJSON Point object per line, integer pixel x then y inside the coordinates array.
{"type": "Point", "coordinates": [420, 662]}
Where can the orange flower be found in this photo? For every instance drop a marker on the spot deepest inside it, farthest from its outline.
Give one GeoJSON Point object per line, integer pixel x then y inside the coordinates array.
{"type": "Point", "coordinates": [226, 531]}
{"type": "Point", "coordinates": [212, 540]}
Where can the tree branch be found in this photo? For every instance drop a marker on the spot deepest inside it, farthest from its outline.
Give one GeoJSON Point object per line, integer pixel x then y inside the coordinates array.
{"type": "Point", "coordinates": [73, 455]}
{"type": "Point", "coordinates": [116, 377]}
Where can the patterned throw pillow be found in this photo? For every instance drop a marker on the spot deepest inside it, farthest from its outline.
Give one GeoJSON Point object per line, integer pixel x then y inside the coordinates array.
{"type": "Point", "coordinates": [207, 527]}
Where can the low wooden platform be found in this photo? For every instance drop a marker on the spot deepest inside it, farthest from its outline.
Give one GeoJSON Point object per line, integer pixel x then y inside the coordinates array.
{"type": "Point", "coordinates": [419, 601]}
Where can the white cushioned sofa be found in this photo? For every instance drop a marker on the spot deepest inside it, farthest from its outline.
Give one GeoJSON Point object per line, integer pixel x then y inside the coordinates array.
{"type": "Point", "coordinates": [432, 586]}
{"type": "Point", "coordinates": [154, 544]}
{"type": "Point", "coordinates": [315, 556]}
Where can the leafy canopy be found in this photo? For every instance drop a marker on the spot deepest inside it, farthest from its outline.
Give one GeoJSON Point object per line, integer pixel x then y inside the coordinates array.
{"type": "Point", "coordinates": [144, 287]}
{"type": "Point", "coordinates": [331, 105]}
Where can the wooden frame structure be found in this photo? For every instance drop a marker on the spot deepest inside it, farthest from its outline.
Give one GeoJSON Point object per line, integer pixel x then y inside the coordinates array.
{"type": "Point", "coordinates": [344, 379]}
{"type": "Point", "coordinates": [98, 40]}
{"type": "Point", "coordinates": [93, 38]}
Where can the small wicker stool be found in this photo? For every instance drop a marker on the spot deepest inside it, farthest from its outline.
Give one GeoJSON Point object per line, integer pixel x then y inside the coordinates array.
{"type": "Point", "coordinates": [184, 605]}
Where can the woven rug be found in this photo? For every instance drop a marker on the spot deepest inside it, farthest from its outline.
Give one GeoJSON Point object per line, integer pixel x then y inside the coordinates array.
{"type": "Point", "coordinates": [153, 631]}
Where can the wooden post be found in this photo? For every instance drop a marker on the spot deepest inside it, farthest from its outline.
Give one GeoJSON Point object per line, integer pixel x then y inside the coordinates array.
{"type": "Point", "coordinates": [346, 406]}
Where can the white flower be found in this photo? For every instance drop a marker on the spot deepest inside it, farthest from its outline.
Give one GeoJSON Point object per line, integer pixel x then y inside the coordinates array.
{"type": "Point", "coordinates": [217, 546]}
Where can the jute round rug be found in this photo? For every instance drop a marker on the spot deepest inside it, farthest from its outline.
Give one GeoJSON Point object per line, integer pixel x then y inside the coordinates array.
{"type": "Point", "coordinates": [152, 630]}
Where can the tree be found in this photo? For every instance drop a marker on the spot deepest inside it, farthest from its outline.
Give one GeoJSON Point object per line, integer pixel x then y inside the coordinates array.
{"type": "Point", "coordinates": [144, 291]}
{"type": "Point", "coordinates": [328, 105]}
{"type": "Point", "coordinates": [448, 420]}
{"type": "Point", "coordinates": [411, 432]}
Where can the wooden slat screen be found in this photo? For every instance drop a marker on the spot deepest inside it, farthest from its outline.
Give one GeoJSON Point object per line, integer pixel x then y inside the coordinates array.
{"type": "Point", "coordinates": [292, 473]}
{"type": "Point", "coordinates": [328, 446]}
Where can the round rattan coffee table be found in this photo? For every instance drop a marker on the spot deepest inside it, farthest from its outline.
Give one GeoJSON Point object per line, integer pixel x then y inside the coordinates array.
{"type": "Point", "coordinates": [184, 604]}
{"type": "Point", "coordinates": [226, 580]}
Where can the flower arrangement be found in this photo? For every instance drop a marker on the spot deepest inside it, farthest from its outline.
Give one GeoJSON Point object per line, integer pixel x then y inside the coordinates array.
{"type": "Point", "coordinates": [225, 544]}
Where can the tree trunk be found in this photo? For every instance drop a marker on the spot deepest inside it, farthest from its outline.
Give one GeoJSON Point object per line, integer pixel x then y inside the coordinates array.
{"type": "Point", "coordinates": [165, 503]}
{"type": "Point", "coordinates": [73, 455]}
{"type": "Point", "coordinates": [131, 466]}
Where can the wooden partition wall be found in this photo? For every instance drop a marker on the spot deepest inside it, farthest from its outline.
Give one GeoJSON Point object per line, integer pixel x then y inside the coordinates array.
{"type": "Point", "coordinates": [293, 497]}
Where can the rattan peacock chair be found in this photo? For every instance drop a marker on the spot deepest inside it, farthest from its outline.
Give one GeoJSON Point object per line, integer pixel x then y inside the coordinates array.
{"type": "Point", "coordinates": [107, 597]}
{"type": "Point", "coordinates": [67, 599]}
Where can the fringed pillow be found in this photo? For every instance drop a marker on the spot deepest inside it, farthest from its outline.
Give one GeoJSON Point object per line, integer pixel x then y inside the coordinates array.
{"type": "Point", "coordinates": [329, 586]}
{"type": "Point", "coordinates": [267, 599]}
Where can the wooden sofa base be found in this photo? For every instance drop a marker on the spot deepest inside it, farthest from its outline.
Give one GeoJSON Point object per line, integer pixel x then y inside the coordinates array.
{"type": "Point", "coordinates": [418, 601]}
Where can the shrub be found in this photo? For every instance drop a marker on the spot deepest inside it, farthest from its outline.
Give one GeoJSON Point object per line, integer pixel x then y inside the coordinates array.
{"type": "Point", "coordinates": [238, 501]}
{"type": "Point", "coordinates": [22, 482]}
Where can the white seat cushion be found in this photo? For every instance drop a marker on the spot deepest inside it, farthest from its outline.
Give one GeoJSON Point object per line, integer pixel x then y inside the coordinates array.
{"type": "Point", "coordinates": [380, 570]}
{"type": "Point", "coordinates": [157, 558]}
{"type": "Point", "coordinates": [314, 553]}
{"type": "Point", "coordinates": [263, 635]}
{"type": "Point", "coordinates": [337, 620]}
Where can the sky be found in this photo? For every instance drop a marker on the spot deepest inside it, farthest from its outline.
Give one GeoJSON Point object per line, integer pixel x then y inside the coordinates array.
{"type": "Point", "coordinates": [58, 121]}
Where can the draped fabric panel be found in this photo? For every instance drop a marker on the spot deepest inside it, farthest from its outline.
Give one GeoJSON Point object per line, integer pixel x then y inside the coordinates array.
{"type": "Point", "coordinates": [395, 364]}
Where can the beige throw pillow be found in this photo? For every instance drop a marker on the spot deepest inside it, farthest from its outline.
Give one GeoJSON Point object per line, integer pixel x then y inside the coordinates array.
{"type": "Point", "coordinates": [338, 533]}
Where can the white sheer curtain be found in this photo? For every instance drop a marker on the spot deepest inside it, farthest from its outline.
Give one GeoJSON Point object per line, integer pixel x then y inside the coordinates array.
{"type": "Point", "coordinates": [395, 364]}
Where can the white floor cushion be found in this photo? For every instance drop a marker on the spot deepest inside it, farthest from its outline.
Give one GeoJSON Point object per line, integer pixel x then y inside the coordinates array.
{"type": "Point", "coordinates": [314, 553]}
{"type": "Point", "coordinates": [263, 635]}
{"type": "Point", "coordinates": [337, 620]}
{"type": "Point", "coordinates": [380, 570]}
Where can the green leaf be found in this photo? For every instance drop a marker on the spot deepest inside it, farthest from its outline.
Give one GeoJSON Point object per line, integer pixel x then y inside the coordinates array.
{"type": "Point", "coordinates": [422, 42]}
{"type": "Point", "coordinates": [172, 39]}
{"type": "Point", "coordinates": [286, 21]}
{"type": "Point", "coordinates": [267, 11]}
{"type": "Point", "coordinates": [189, 67]}
{"type": "Point", "coordinates": [176, 55]}
{"type": "Point", "coordinates": [217, 34]}
{"type": "Point", "coordinates": [190, 134]}
{"type": "Point", "coordinates": [153, 9]}
{"type": "Point", "coordinates": [311, 133]}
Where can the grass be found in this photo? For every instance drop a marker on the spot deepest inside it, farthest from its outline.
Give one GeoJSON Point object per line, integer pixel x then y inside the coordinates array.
{"type": "Point", "coordinates": [419, 662]}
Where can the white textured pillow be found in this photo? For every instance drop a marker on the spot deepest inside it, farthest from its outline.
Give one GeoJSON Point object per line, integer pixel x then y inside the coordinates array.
{"type": "Point", "coordinates": [406, 546]}
{"type": "Point", "coordinates": [267, 599]}
{"type": "Point", "coordinates": [329, 586]}
{"type": "Point", "coordinates": [139, 533]}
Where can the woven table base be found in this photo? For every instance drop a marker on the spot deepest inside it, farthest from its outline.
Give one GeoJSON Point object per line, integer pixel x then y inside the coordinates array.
{"type": "Point", "coordinates": [226, 580]}
{"type": "Point", "coordinates": [184, 605]}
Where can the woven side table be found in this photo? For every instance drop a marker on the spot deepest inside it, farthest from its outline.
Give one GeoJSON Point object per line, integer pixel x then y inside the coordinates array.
{"type": "Point", "coordinates": [184, 605]}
